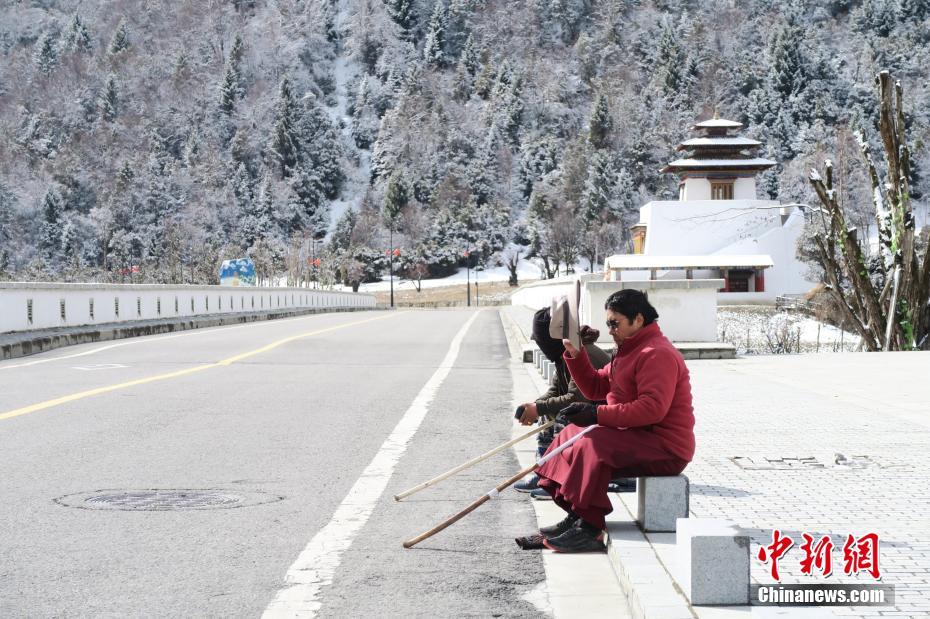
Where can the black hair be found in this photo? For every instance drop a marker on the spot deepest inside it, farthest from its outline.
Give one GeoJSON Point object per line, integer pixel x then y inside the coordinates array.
{"type": "Point", "coordinates": [631, 302]}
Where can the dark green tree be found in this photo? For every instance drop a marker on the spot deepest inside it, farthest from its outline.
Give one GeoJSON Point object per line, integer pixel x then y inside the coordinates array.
{"type": "Point", "coordinates": [601, 123]}
{"type": "Point", "coordinates": [285, 141]}
{"type": "Point", "coordinates": [401, 11]}
{"type": "Point", "coordinates": [109, 100]}
{"type": "Point", "coordinates": [46, 55]}
{"type": "Point", "coordinates": [433, 47]}
{"type": "Point", "coordinates": [52, 226]}
{"type": "Point", "coordinates": [77, 38]}
{"type": "Point", "coordinates": [120, 41]}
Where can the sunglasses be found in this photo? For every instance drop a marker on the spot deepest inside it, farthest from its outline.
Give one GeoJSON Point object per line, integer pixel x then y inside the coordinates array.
{"type": "Point", "coordinates": [612, 324]}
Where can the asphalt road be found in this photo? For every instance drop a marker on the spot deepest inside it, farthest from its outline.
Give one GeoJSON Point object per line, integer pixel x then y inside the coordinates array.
{"type": "Point", "coordinates": [265, 428]}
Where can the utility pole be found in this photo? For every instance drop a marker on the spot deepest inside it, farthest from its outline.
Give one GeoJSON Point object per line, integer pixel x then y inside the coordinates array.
{"type": "Point", "coordinates": [391, 259]}
{"type": "Point", "coordinates": [468, 278]}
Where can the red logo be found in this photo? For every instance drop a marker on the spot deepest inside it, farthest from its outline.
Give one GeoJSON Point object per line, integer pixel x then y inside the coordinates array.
{"type": "Point", "coordinates": [859, 554]}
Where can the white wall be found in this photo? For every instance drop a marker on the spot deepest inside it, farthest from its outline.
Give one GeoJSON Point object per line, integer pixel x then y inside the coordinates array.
{"type": "Point", "coordinates": [699, 189]}
{"type": "Point", "coordinates": [787, 276]}
{"type": "Point", "coordinates": [687, 307]}
{"type": "Point", "coordinates": [744, 189]}
{"type": "Point", "coordinates": [696, 189]}
{"type": "Point", "coordinates": [150, 301]}
{"type": "Point", "coordinates": [704, 227]}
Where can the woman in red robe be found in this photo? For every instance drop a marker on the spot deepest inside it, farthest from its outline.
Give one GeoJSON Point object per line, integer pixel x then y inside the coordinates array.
{"type": "Point", "coordinates": [645, 429]}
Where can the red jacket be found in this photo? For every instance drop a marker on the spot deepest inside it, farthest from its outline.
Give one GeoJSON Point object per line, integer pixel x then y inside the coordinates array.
{"type": "Point", "coordinates": [646, 385]}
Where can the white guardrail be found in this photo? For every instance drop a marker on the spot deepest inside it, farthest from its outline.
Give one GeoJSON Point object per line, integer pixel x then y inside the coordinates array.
{"type": "Point", "coordinates": [29, 306]}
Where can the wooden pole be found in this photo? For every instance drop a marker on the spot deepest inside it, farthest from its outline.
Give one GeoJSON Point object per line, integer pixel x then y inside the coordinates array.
{"type": "Point", "coordinates": [497, 489]}
{"type": "Point", "coordinates": [472, 462]}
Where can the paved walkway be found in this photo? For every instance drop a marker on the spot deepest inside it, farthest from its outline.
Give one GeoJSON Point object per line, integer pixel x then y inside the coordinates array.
{"type": "Point", "coordinates": [830, 443]}
{"type": "Point", "coordinates": [822, 444]}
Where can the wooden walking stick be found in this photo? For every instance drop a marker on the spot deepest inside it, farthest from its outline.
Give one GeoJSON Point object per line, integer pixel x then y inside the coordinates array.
{"type": "Point", "coordinates": [410, 543]}
{"type": "Point", "coordinates": [472, 462]}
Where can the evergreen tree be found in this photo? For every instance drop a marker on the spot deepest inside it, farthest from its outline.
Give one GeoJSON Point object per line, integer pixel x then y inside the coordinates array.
{"type": "Point", "coordinates": [46, 55]}
{"type": "Point", "coordinates": [396, 198]}
{"type": "Point", "coordinates": [308, 208]}
{"type": "Point", "coordinates": [598, 189]}
{"type": "Point", "coordinates": [789, 70]}
{"type": "Point", "coordinates": [285, 141]}
{"type": "Point", "coordinates": [401, 11]}
{"type": "Point", "coordinates": [601, 124]}
{"type": "Point", "coordinates": [341, 238]}
{"type": "Point", "coordinates": [671, 63]}
{"type": "Point", "coordinates": [482, 171]}
{"type": "Point", "coordinates": [470, 58]}
{"type": "Point", "coordinates": [229, 90]}
{"type": "Point", "coordinates": [8, 202]}
{"type": "Point", "coordinates": [77, 38]}
{"type": "Point", "coordinates": [433, 48]}
{"type": "Point", "coordinates": [237, 52]}
{"type": "Point", "coordinates": [109, 100]}
{"type": "Point", "coordinates": [318, 147]}
{"type": "Point", "coordinates": [125, 177]}
{"type": "Point", "coordinates": [257, 220]}
{"type": "Point", "coordinates": [232, 87]}
{"type": "Point", "coordinates": [365, 118]}
{"type": "Point", "coordinates": [120, 40]}
{"type": "Point", "coordinates": [52, 226]}
{"type": "Point", "coordinates": [537, 158]}
{"type": "Point", "coordinates": [914, 11]}
{"type": "Point", "coordinates": [876, 17]}
{"type": "Point", "coordinates": [462, 83]}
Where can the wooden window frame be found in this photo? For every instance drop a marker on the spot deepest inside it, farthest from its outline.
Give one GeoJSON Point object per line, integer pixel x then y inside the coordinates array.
{"type": "Point", "coordinates": [724, 187]}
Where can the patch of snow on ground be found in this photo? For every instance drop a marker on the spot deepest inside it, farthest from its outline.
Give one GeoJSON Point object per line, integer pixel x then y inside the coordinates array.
{"type": "Point", "coordinates": [765, 330]}
{"type": "Point", "coordinates": [526, 272]}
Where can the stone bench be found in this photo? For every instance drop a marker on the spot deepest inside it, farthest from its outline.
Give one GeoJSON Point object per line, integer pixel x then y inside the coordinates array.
{"type": "Point", "coordinates": [660, 501]}
{"type": "Point", "coordinates": [712, 561]}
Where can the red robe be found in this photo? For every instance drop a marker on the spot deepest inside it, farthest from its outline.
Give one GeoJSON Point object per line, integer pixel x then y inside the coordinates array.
{"type": "Point", "coordinates": [646, 427]}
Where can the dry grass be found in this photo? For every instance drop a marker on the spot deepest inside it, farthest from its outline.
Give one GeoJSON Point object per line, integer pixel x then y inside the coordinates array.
{"type": "Point", "coordinates": [490, 293]}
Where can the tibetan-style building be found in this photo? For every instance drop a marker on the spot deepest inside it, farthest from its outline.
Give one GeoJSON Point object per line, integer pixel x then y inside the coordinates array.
{"type": "Point", "coordinates": [718, 228]}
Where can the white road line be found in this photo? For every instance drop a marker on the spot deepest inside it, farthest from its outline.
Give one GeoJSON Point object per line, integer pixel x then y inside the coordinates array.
{"type": "Point", "coordinates": [314, 568]}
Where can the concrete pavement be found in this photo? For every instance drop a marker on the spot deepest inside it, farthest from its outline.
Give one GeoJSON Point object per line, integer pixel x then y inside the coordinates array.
{"type": "Point", "coordinates": [826, 444]}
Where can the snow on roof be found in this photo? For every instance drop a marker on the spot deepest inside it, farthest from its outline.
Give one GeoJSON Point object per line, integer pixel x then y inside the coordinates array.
{"type": "Point", "coordinates": [697, 164]}
{"type": "Point", "coordinates": [719, 141]}
{"type": "Point", "coordinates": [716, 123]}
{"type": "Point", "coordinates": [622, 262]}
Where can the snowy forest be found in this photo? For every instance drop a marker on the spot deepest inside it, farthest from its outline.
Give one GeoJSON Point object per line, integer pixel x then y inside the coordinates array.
{"type": "Point", "coordinates": [148, 140]}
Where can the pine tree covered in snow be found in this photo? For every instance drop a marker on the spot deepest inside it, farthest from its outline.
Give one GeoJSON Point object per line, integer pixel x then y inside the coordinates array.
{"type": "Point", "coordinates": [555, 117]}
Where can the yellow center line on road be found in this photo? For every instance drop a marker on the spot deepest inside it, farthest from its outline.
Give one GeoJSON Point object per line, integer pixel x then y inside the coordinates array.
{"type": "Point", "coordinates": [32, 408]}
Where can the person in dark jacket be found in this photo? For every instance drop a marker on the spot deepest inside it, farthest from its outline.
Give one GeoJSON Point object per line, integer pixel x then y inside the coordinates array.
{"type": "Point", "coordinates": [562, 389]}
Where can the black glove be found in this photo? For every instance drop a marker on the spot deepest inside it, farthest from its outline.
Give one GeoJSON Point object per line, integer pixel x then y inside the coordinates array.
{"type": "Point", "coordinates": [580, 413]}
{"type": "Point", "coordinates": [519, 412]}
{"type": "Point", "coordinates": [589, 335]}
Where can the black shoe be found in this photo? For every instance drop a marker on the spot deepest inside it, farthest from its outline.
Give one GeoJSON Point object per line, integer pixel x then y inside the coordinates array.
{"type": "Point", "coordinates": [530, 542]}
{"type": "Point", "coordinates": [527, 486]}
{"type": "Point", "coordinates": [561, 527]}
{"type": "Point", "coordinates": [577, 539]}
{"type": "Point", "coordinates": [540, 495]}
{"type": "Point", "coordinates": [622, 484]}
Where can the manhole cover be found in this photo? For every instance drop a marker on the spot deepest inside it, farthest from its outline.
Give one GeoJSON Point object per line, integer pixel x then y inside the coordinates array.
{"type": "Point", "coordinates": [838, 462]}
{"type": "Point", "coordinates": [776, 464]}
{"type": "Point", "coordinates": [164, 500]}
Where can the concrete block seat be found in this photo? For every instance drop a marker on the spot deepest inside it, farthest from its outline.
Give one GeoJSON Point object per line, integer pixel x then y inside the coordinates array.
{"type": "Point", "coordinates": [712, 561]}
{"type": "Point", "coordinates": [661, 501]}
